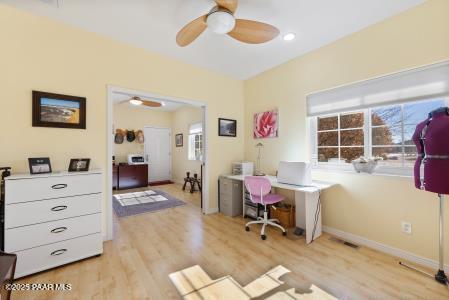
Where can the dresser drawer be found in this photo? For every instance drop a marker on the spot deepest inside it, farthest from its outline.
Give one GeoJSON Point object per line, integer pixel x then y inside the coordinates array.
{"type": "Point", "coordinates": [31, 189]}
{"type": "Point", "coordinates": [41, 258]}
{"type": "Point", "coordinates": [21, 214]}
{"type": "Point", "coordinates": [26, 237]}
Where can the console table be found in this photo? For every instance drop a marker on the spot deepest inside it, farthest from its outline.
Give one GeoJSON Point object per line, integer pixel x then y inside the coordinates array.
{"type": "Point", "coordinates": [132, 176]}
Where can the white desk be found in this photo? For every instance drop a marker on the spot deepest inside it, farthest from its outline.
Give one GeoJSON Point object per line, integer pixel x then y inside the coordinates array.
{"type": "Point", "coordinates": [306, 201]}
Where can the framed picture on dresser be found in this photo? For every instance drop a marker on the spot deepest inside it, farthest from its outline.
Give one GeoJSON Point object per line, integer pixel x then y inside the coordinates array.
{"type": "Point", "coordinates": [79, 165]}
{"type": "Point", "coordinates": [39, 165]}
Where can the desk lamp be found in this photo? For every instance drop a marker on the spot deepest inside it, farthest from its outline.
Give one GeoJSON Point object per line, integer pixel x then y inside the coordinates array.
{"type": "Point", "coordinates": [258, 172]}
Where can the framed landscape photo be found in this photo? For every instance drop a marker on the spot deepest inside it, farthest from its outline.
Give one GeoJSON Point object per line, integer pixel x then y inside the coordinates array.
{"type": "Point", "coordinates": [179, 140]}
{"type": "Point", "coordinates": [39, 165]}
{"type": "Point", "coordinates": [59, 111]}
{"type": "Point", "coordinates": [227, 127]}
{"type": "Point", "coordinates": [79, 165]}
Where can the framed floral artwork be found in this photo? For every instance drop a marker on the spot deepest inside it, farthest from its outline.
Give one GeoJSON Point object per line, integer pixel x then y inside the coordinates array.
{"type": "Point", "coordinates": [266, 124]}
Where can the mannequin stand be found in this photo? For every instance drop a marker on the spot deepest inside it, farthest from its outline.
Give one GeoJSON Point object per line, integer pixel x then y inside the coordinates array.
{"type": "Point", "coordinates": [440, 276]}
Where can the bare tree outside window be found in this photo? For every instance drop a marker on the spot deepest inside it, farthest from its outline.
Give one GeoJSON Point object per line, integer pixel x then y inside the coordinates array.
{"type": "Point", "coordinates": [399, 123]}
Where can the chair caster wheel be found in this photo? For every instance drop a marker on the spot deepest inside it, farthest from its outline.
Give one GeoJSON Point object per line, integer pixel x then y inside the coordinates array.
{"type": "Point", "coordinates": [284, 233]}
{"type": "Point", "coordinates": [263, 237]}
{"type": "Point", "coordinates": [247, 228]}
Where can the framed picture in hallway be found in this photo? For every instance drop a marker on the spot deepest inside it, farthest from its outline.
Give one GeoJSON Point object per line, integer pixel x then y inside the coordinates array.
{"type": "Point", "coordinates": [60, 111]}
{"type": "Point", "coordinates": [179, 140]}
{"type": "Point", "coordinates": [227, 127]}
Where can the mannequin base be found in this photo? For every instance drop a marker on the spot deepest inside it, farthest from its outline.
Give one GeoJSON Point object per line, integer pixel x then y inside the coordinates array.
{"type": "Point", "coordinates": [441, 277]}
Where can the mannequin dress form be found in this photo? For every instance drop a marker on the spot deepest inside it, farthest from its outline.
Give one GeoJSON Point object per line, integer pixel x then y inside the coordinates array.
{"type": "Point", "coordinates": [431, 171]}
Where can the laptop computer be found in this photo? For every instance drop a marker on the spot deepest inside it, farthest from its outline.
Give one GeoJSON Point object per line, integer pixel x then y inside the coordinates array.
{"type": "Point", "coordinates": [295, 173]}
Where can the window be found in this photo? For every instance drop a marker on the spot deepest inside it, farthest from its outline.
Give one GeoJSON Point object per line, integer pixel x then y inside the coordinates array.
{"type": "Point", "coordinates": [341, 137]}
{"type": "Point", "coordinates": [384, 131]}
{"type": "Point", "coordinates": [196, 141]}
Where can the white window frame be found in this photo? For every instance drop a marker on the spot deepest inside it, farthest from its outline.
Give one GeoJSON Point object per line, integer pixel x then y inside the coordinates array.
{"type": "Point", "coordinates": [192, 144]}
{"type": "Point", "coordinates": [368, 147]}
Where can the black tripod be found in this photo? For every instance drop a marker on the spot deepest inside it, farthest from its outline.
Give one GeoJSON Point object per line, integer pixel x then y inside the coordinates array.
{"type": "Point", "coordinates": [5, 172]}
{"type": "Point", "coordinates": [440, 276]}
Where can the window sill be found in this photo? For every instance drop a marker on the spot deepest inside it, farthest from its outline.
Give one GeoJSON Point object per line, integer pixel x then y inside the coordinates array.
{"type": "Point", "coordinates": [406, 174]}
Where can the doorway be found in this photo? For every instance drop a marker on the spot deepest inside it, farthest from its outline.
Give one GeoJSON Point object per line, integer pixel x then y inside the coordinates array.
{"type": "Point", "coordinates": [158, 154]}
{"type": "Point", "coordinates": [168, 101]}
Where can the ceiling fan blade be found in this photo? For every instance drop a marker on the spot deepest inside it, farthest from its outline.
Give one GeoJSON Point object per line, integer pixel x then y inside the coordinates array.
{"type": "Point", "coordinates": [151, 103]}
{"type": "Point", "coordinates": [191, 31]}
{"type": "Point", "coordinates": [230, 5]}
{"type": "Point", "coordinates": [253, 32]}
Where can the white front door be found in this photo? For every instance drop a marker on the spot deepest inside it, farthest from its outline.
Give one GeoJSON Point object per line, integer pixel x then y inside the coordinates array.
{"type": "Point", "coordinates": [158, 153]}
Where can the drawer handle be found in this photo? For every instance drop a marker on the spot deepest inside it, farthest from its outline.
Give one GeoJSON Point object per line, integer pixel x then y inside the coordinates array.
{"type": "Point", "coordinates": [58, 230]}
{"type": "Point", "coordinates": [59, 208]}
{"type": "Point", "coordinates": [58, 252]}
{"type": "Point", "coordinates": [59, 186]}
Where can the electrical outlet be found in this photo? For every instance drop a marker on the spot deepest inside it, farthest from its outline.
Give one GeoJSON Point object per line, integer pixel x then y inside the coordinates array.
{"type": "Point", "coordinates": [406, 227]}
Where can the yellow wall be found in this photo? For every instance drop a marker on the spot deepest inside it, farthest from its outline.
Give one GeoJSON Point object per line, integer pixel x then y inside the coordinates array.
{"type": "Point", "coordinates": [370, 206]}
{"type": "Point", "coordinates": [129, 118]}
{"type": "Point", "coordinates": [42, 54]}
{"type": "Point", "coordinates": [182, 119]}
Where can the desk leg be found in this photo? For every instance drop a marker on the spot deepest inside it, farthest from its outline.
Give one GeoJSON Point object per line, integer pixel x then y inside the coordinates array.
{"type": "Point", "coordinates": [306, 209]}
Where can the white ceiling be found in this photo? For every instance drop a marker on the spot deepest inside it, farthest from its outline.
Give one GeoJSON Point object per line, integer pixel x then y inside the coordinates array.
{"type": "Point", "coordinates": [122, 99]}
{"type": "Point", "coordinates": [153, 24]}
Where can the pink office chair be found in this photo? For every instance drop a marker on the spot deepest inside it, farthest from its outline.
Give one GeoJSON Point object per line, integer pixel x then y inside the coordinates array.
{"type": "Point", "coordinates": [259, 192]}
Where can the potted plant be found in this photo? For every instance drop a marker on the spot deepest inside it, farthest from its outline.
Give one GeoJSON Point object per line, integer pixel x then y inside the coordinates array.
{"type": "Point", "coordinates": [366, 165]}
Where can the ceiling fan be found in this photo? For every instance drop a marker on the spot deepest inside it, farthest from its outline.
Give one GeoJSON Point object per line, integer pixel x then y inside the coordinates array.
{"type": "Point", "coordinates": [135, 100]}
{"type": "Point", "coordinates": [220, 19]}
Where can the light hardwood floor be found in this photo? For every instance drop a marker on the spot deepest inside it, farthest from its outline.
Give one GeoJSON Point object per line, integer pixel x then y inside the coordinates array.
{"type": "Point", "coordinates": [148, 247]}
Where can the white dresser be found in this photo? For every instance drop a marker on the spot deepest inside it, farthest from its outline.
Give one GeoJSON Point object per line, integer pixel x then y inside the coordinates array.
{"type": "Point", "coordinates": [52, 219]}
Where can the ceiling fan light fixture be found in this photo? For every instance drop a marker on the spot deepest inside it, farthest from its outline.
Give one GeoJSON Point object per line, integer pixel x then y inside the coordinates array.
{"type": "Point", "coordinates": [135, 102]}
{"type": "Point", "coordinates": [220, 22]}
{"type": "Point", "coordinates": [289, 36]}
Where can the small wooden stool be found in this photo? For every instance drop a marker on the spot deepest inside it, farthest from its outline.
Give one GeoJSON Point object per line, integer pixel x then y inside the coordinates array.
{"type": "Point", "coordinates": [192, 181]}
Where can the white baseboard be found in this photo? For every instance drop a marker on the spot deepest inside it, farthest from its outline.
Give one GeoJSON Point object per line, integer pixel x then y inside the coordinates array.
{"type": "Point", "coordinates": [358, 240]}
{"type": "Point", "coordinates": [106, 237]}
{"type": "Point", "coordinates": [211, 211]}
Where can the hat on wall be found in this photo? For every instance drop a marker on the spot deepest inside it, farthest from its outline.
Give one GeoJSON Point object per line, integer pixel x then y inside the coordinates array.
{"type": "Point", "coordinates": [130, 136]}
{"type": "Point", "coordinates": [139, 137]}
{"type": "Point", "coordinates": [119, 136]}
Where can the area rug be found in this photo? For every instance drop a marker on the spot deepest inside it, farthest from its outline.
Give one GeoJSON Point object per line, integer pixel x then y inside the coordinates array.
{"type": "Point", "coordinates": [143, 202]}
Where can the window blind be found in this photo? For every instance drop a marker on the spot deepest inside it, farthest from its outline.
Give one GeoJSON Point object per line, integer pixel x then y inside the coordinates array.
{"type": "Point", "coordinates": [412, 85]}
{"type": "Point", "coordinates": [195, 128]}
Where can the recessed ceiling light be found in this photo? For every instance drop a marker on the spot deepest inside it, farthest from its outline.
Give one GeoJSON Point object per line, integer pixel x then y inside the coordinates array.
{"type": "Point", "coordinates": [289, 36]}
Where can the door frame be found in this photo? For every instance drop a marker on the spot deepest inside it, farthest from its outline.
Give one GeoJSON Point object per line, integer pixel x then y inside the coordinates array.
{"type": "Point", "coordinates": [169, 149]}
{"type": "Point", "coordinates": [111, 89]}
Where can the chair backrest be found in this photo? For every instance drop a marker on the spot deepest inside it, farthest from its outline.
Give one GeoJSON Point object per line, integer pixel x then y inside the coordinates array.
{"type": "Point", "coordinates": [257, 186]}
